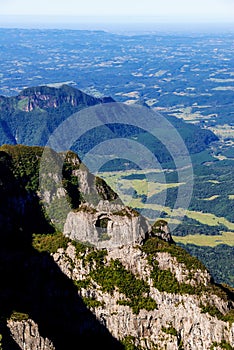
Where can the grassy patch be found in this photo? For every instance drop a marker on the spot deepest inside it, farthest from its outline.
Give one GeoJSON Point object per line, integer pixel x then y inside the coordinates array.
{"type": "Point", "coordinates": [50, 242]}
{"type": "Point", "coordinates": [210, 219]}
{"type": "Point", "coordinates": [19, 316]}
{"type": "Point", "coordinates": [123, 181]}
{"type": "Point", "coordinates": [207, 241]}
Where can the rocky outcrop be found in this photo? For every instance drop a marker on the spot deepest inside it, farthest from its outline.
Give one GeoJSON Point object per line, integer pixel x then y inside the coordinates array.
{"type": "Point", "coordinates": [45, 97]}
{"type": "Point", "coordinates": [161, 229]}
{"type": "Point", "coordinates": [27, 336]}
{"type": "Point", "coordinates": [130, 280]}
{"type": "Point", "coordinates": [104, 228]}
{"type": "Point", "coordinates": [179, 320]}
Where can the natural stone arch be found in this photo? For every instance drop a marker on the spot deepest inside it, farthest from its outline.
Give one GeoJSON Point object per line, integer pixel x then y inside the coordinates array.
{"type": "Point", "coordinates": [102, 225]}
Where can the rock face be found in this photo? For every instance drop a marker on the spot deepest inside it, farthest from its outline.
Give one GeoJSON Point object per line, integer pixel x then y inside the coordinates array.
{"type": "Point", "coordinates": [175, 321]}
{"type": "Point", "coordinates": [50, 97]}
{"type": "Point", "coordinates": [99, 218]}
{"type": "Point", "coordinates": [130, 283]}
{"type": "Point", "coordinates": [179, 321]}
{"type": "Point", "coordinates": [160, 229]}
{"type": "Point", "coordinates": [108, 226]}
{"type": "Point", "coordinates": [27, 336]}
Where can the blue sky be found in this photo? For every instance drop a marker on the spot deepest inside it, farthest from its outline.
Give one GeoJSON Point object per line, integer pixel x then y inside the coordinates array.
{"type": "Point", "coordinates": [175, 10]}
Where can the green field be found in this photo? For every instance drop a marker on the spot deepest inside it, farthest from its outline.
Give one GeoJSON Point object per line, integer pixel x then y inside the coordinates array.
{"type": "Point", "coordinates": [131, 188]}
{"type": "Point", "coordinates": [207, 241]}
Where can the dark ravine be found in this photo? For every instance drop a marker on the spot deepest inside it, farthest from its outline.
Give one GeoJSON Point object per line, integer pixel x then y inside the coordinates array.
{"type": "Point", "coordinates": [57, 292]}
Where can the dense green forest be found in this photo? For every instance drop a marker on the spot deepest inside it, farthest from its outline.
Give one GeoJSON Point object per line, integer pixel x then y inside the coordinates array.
{"type": "Point", "coordinates": [218, 260]}
{"type": "Point", "coordinates": [32, 116]}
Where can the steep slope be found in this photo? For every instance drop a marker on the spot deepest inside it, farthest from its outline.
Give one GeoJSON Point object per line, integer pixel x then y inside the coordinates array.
{"type": "Point", "coordinates": [32, 116]}
{"type": "Point", "coordinates": [150, 296]}
{"type": "Point", "coordinates": [143, 293]}
{"type": "Point", "coordinates": [32, 285]}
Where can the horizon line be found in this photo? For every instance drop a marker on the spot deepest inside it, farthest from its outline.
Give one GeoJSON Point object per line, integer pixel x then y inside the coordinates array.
{"type": "Point", "coordinates": [132, 19]}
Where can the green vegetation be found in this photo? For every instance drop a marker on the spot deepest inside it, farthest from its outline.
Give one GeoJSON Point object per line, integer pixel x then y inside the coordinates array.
{"type": "Point", "coordinates": [204, 216]}
{"type": "Point", "coordinates": [19, 316]}
{"type": "Point", "coordinates": [57, 211]}
{"type": "Point", "coordinates": [83, 284]}
{"type": "Point", "coordinates": [96, 258]}
{"type": "Point", "coordinates": [127, 211]}
{"type": "Point", "coordinates": [200, 240]}
{"type": "Point", "coordinates": [192, 226]}
{"type": "Point", "coordinates": [229, 317]}
{"type": "Point", "coordinates": [25, 162]}
{"type": "Point", "coordinates": [36, 118]}
{"type": "Point", "coordinates": [70, 181]}
{"type": "Point", "coordinates": [86, 209]}
{"type": "Point", "coordinates": [154, 245]}
{"type": "Point", "coordinates": [214, 312]}
{"type": "Point", "coordinates": [172, 93]}
{"type": "Point", "coordinates": [229, 152]}
{"type": "Point", "coordinates": [50, 242]}
{"type": "Point", "coordinates": [158, 226]}
{"type": "Point", "coordinates": [165, 281]}
{"type": "Point", "coordinates": [82, 248]}
{"type": "Point", "coordinates": [104, 191]}
{"type": "Point", "coordinates": [170, 330]}
{"type": "Point", "coordinates": [114, 275]}
{"type": "Point", "coordinates": [213, 218]}
{"type": "Point", "coordinates": [92, 303]}
{"type": "Point", "coordinates": [218, 260]}
{"type": "Point", "coordinates": [223, 345]}
{"type": "Point", "coordinates": [204, 187]}
{"type": "Point", "coordinates": [56, 174]}
{"type": "Point", "coordinates": [181, 345]}
{"type": "Point", "coordinates": [141, 303]}
{"type": "Point", "coordinates": [129, 343]}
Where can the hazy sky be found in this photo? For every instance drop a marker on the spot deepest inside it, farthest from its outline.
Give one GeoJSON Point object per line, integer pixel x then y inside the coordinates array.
{"type": "Point", "coordinates": [211, 10]}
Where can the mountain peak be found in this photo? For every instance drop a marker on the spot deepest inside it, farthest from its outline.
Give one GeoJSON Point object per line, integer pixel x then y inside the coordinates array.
{"type": "Point", "coordinates": [45, 96]}
{"type": "Point", "coordinates": [36, 112]}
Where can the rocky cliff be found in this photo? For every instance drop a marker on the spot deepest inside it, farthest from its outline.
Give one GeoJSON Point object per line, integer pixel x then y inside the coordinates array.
{"type": "Point", "coordinates": [146, 296]}
{"type": "Point", "coordinates": [150, 296]}
{"type": "Point", "coordinates": [83, 268]}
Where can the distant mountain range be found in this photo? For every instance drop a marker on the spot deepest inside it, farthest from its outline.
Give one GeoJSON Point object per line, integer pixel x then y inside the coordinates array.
{"type": "Point", "coordinates": [32, 116]}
